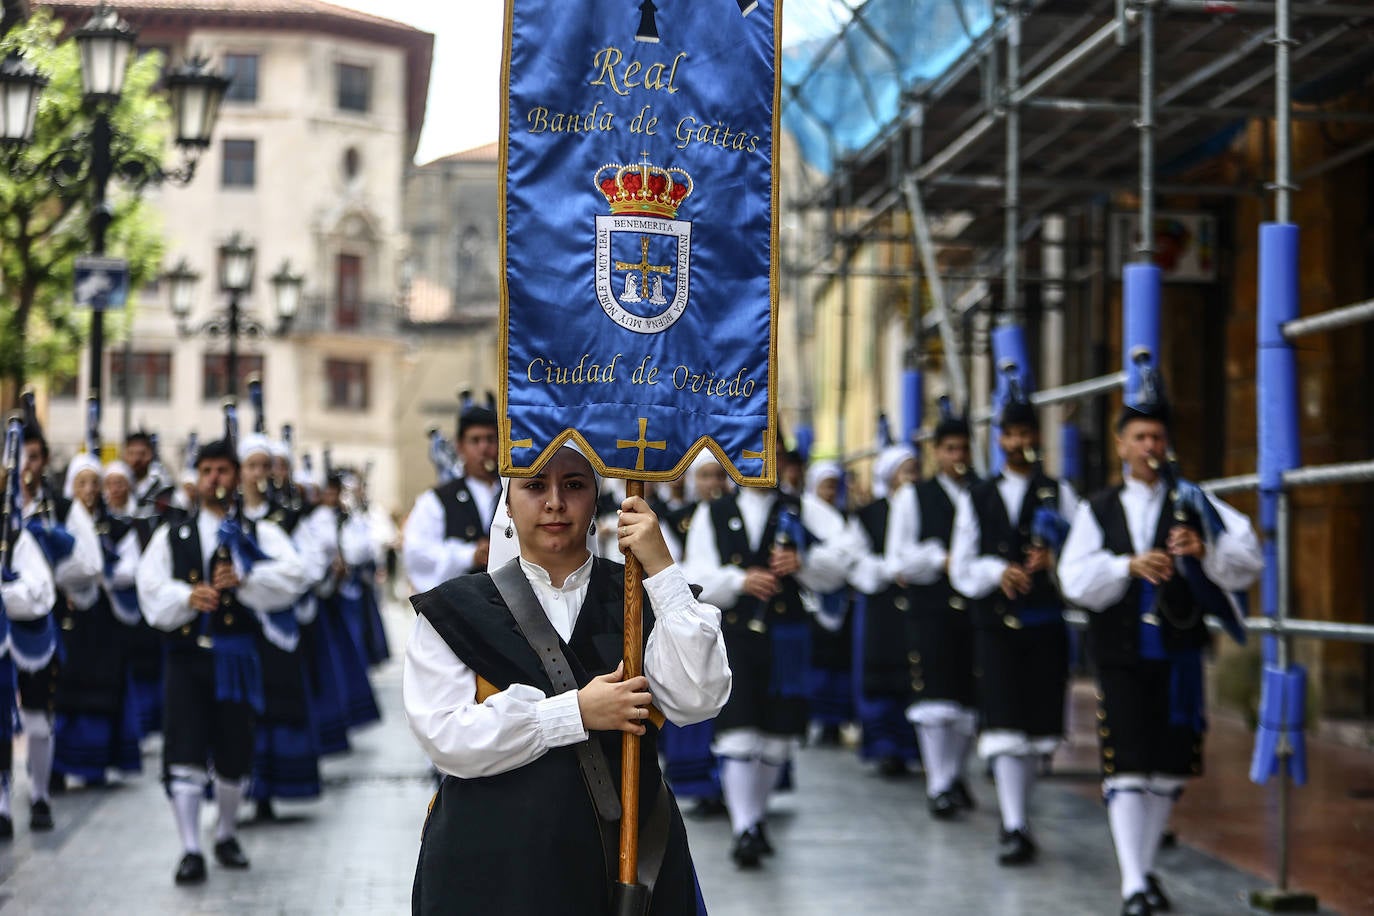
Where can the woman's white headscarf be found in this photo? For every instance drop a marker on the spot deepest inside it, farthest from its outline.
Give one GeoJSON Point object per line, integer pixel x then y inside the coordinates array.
{"type": "Point", "coordinates": [704, 458]}
{"type": "Point", "coordinates": [821, 471]}
{"type": "Point", "coordinates": [501, 549]}
{"type": "Point", "coordinates": [886, 464]}
{"type": "Point", "coordinates": [83, 461]}
{"type": "Point", "coordinates": [120, 469]}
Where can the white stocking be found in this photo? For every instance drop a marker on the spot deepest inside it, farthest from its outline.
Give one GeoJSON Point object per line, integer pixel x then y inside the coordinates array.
{"type": "Point", "coordinates": [737, 781]}
{"type": "Point", "coordinates": [1127, 814]}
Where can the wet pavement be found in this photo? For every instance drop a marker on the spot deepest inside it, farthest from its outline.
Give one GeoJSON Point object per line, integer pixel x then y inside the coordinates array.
{"type": "Point", "coordinates": [848, 841]}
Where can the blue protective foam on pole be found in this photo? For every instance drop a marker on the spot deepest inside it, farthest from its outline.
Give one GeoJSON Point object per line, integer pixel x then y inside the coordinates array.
{"type": "Point", "coordinates": [1008, 345]}
{"type": "Point", "coordinates": [1070, 452]}
{"type": "Point", "coordinates": [1282, 724]}
{"type": "Point", "coordinates": [1276, 401]}
{"type": "Point", "coordinates": [806, 437]}
{"type": "Point", "coordinates": [913, 404]}
{"type": "Point", "coordinates": [1141, 288]}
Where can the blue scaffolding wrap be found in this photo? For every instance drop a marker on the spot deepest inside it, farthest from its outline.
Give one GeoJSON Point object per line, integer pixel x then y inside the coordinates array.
{"type": "Point", "coordinates": [845, 70]}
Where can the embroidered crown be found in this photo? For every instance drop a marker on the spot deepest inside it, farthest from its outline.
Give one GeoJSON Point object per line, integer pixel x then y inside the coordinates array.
{"type": "Point", "coordinates": [643, 189]}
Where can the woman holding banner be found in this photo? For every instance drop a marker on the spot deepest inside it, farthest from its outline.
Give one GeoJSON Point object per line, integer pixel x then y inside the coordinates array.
{"type": "Point", "coordinates": [513, 684]}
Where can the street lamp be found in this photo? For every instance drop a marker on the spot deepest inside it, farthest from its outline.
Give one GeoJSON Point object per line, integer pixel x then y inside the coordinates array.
{"type": "Point", "coordinates": [20, 85]}
{"type": "Point", "coordinates": [106, 44]}
{"type": "Point", "coordinates": [237, 261]}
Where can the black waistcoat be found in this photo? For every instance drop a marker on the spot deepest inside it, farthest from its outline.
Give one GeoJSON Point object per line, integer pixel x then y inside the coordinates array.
{"type": "Point", "coordinates": [937, 521]}
{"type": "Point", "coordinates": [461, 518]}
{"type": "Point", "coordinates": [732, 543]}
{"type": "Point", "coordinates": [884, 635]}
{"type": "Point", "coordinates": [231, 618]}
{"type": "Point", "coordinates": [1114, 634]}
{"type": "Point", "coordinates": [1001, 537]}
{"type": "Point", "coordinates": [526, 841]}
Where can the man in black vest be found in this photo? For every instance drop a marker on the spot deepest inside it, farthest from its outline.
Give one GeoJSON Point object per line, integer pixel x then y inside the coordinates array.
{"type": "Point", "coordinates": [744, 552]}
{"type": "Point", "coordinates": [446, 533]}
{"type": "Point", "coordinates": [1001, 558]}
{"type": "Point", "coordinates": [940, 634]}
{"type": "Point", "coordinates": [1147, 636]}
{"type": "Point", "coordinates": [210, 582]}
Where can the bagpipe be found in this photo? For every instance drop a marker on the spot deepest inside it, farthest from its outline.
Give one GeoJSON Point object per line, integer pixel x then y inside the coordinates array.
{"type": "Point", "coordinates": [1190, 508]}
{"type": "Point", "coordinates": [443, 456]}
{"type": "Point", "coordinates": [233, 541]}
{"type": "Point", "coordinates": [52, 536]}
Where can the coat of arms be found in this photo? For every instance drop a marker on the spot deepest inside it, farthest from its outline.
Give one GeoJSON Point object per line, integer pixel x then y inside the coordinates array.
{"type": "Point", "coordinates": [643, 252]}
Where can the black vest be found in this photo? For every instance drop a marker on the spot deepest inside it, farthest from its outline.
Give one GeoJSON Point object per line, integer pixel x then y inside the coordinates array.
{"type": "Point", "coordinates": [231, 618]}
{"type": "Point", "coordinates": [525, 841]}
{"type": "Point", "coordinates": [1001, 537]}
{"type": "Point", "coordinates": [1114, 634]}
{"type": "Point", "coordinates": [461, 518]}
{"type": "Point", "coordinates": [937, 521]}
{"type": "Point", "coordinates": [732, 543]}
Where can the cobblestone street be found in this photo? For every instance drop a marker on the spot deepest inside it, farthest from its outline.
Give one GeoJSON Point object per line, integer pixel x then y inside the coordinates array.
{"type": "Point", "coordinates": [848, 841]}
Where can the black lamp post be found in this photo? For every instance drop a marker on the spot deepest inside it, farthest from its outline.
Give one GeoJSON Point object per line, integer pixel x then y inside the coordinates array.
{"type": "Point", "coordinates": [237, 264]}
{"type": "Point", "coordinates": [106, 43]}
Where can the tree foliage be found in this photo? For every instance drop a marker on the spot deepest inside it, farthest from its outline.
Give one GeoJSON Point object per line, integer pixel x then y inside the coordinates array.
{"type": "Point", "coordinates": [45, 217]}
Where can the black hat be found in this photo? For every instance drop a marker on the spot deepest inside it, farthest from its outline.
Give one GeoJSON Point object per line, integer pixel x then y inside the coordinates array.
{"type": "Point", "coordinates": [1017, 410]}
{"type": "Point", "coordinates": [949, 424]}
{"type": "Point", "coordinates": [1150, 401]}
{"type": "Point", "coordinates": [33, 430]}
{"type": "Point", "coordinates": [219, 449]}
{"type": "Point", "coordinates": [474, 414]}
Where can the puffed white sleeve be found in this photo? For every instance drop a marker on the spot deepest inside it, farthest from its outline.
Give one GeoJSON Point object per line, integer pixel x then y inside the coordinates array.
{"type": "Point", "coordinates": [684, 658]}
{"type": "Point", "coordinates": [1233, 559]}
{"type": "Point", "coordinates": [33, 593]}
{"type": "Point", "coordinates": [79, 574]}
{"type": "Point", "coordinates": [165, 601]}
{"type": "Point", "coordinates": [868, 574]}
{"type": "Point", "coordinates": [122, 576]}
{"type": "Point", "coordinates": [909, 558]}
{"type": "Point", "coordinates": [1090, 575]}
{"type": "Point", "coordinates": [720, 584]}
{"type": "Point", "coordinates": [468, 739]}
{"type": "Point", "coordinates": [430, 558]}
{"type": "Point", "coordinates": [275, 583]}
{"type": "Point", "coordinates": [971, 573]}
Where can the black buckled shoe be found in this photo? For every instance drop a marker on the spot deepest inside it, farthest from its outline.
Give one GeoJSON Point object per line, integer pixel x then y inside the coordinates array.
{"type": "Point", "coordinates": [1137, 905]}
{"type": "Point", "coordinates": [191, 869]}
{"type": "Point", "coordinates": [264, 810]}
{"type": "Point", "coordinates": [961, 795]}
{"type": "Point", "coordinates": [943, 807]}
{"type": "Point", "coordinates": [1154, 892]}
{"type": "Point", "coordinates": [1015, 848]}
{"type": "Point", "coordinates": [765, 845]}
{"type": "Point", "coordinates": [40, 815]}
{"type": "Point", "coordinates": [748, 849]}
{"type": "Point", "coordinates": [229, 854]}
{"type": "Point", "coordinates": [892, 768]}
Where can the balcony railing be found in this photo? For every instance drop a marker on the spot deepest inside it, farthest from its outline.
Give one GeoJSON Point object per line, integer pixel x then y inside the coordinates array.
{"type": "Point", "coordinates": [325, 315]}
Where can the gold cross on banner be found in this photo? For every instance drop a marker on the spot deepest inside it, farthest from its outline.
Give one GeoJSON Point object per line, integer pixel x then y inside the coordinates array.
{"type": "Point", "coordinates": [642, 443]}
{"type": "Point", "coordinates": [643, 266]}
{"type": "Point", "coordinates": [516, 443]}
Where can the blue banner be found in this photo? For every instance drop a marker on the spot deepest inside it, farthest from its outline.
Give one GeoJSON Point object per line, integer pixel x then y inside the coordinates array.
{"type": "Point", "coordinates": [639, 255]}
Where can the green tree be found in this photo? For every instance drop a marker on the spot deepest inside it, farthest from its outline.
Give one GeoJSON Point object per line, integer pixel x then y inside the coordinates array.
{"type": "Point", "coordinates": [45, 214]}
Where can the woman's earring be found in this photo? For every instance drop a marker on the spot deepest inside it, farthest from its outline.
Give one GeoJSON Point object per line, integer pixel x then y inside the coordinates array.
{"type": "Point", "coordinates": [510, 532]}
{"type": "Point", "coordinates": [591, 529]}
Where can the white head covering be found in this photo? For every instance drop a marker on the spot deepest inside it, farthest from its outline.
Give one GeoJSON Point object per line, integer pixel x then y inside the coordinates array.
{"type": "Point", "coordinates": [704, 458]}
{"type": "Point", "coordinates": [820, 472]}
{"type": "Point", "coordinates": [84, 461]}
{"type": "Point", "coordinates": [277, 449]}
{"type": "Point", "coordinates": [119, 468]}
{"type": "Point", "coordinates": [254, 443]}
{"type": "Point", "coordinates": [886, 464]}
{"type": "Point", "coordinates": [501, 549]}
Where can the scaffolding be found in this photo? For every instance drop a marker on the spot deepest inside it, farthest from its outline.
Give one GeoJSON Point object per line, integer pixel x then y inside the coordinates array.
{"type": "Point", "coordinates": [1030, 109]}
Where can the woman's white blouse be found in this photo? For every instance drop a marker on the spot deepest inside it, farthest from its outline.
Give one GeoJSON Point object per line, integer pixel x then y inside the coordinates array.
{"type": "Point", "coordinates": [684, 660]}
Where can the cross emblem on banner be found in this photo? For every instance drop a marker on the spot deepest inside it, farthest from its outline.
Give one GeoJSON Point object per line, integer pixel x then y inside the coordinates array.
{"type": "Point", "coordinates": [643, 267]}
{"type": "Point", "coordinates": [642, 443]}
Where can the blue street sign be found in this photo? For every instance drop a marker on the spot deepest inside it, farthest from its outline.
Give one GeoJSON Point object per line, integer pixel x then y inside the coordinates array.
{"type": "Point", "coordinates": [101, 283]}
